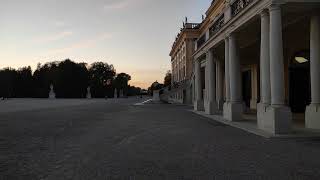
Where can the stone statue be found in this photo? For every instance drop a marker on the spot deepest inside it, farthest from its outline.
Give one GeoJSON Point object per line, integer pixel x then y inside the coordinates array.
{"type": "Point", "coordinates": [115, 93]}
{"type": "Point", "coordinates": [89, 93]}
{"type": "Point", "coordinates": [52, 95]}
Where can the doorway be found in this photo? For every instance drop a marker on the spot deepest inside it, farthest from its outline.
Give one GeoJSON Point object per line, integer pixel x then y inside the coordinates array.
{"type": "Point", "coordinates": [246, 87]}
{"type": "Point", "coordinates": [299, 86]}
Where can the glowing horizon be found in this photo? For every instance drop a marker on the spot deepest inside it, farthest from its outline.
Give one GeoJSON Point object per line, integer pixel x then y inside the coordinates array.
{"type": "Point", "coordinates": [133, 35]}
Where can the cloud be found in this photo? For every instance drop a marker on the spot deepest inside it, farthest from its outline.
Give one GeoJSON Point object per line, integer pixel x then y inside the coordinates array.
{"type": "Point", "coordinates": [80, 45]}
{"type": "Point", "coordinates": [119, 4]}
{"type": "Point", "coordinates": [59, 23]}
{"type": "Point", "coordinates": [53, 37]}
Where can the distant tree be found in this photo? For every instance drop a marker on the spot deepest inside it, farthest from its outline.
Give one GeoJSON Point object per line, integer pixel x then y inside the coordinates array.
{"type": "Point", "coordinates": [155, 86]}
{"type": "Point", "coordinates": [23, 84]}
{"type": "Point", "coordinates": [43, 77]}
{"type": "Point", "coordinates": [121, 82]}
{"type": "Point", "coordinates": [133, 91]}
{"type": "Point", "coordinates": [7, 81]}
{"type": "Point", "coordinates": [71, 80]}
{"type": "Point", "coordinates": [100, 74]}
{"type": "Point", "coordinates": [167, 79]}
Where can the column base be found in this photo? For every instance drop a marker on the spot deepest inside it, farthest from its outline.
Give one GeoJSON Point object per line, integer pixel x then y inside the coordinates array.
{"type": "Point", "coordinates": [262, 121]}
{"type": "Point", "coordinates": [232, 111]}
{"type": "Point", "coordinates": [274, 119]}
{"type": "Point", "coordinates": [211, 107]}
{"type": "Point", "coordinates": [312, 116]}
{"type": "Point", "coordinates": [220, 104]}
{"type": "Point", "coordinates": [198, 105]}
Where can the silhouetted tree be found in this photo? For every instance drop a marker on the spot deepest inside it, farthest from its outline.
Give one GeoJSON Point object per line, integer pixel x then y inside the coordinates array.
{"type": "Point", "coordinates": [121, 82]}
{"type": "Point", "coordinates": [43, 77]}
{"type": "Point", "coordinates": [155, 86]}
{"type": "Point", "coordinates": [99, 75]}
{"type": "Point", "coordinates": [7, 82]}
{"type": "Point", "coordinates": [133, 91]}
{"type": "Point", "coordinates": [71, 80]}
{"type": "Point", "coordinates": [167, 79]}
{"type": "Point", "coordinates": [23, 84]}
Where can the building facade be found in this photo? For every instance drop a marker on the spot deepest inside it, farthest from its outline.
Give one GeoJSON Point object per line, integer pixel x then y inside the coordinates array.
{"type": "Point", "coordinates": [259, 60]}
{"type": "Point", "coordinates": [182, 63]}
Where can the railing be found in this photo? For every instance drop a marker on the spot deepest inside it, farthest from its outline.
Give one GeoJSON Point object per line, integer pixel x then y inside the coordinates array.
{"type": "Point", "coordinates": [216, 26]}
{"type": "Point", "coordinates": [192, 25]}
{"type": "Point", "coordinates": [186, 26]}
{"type": "Point", "coordinates": [201, 41]}
{"type": "Point", "coordinates": [239, 5]}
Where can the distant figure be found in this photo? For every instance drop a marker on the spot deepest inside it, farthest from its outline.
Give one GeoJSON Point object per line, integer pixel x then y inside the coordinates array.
{"type": "Point", "coordinates": [88, 92]}
{"type": "Point", "coordinates": [52, 95]}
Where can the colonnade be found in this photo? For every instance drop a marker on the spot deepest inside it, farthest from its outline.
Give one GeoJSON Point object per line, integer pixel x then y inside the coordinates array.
{"type": "Point", "coordinates": [273, 115]}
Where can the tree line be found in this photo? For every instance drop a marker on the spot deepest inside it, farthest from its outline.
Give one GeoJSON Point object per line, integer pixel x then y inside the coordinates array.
{"type": "Point", "coordinates": [69, 79]}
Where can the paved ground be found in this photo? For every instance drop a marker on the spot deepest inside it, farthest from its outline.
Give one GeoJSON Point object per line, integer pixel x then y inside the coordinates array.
{"type": "Point", "coordinates": [116, 140]}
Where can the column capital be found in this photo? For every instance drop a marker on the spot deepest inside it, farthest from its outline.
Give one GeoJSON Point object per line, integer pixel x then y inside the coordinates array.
{"type": "Point", "coordinates": [226, 37]}
{"type": "Point", "coordinates": [264, 13]}
{"type": "Point", "coordinates": [196, 60]}
{"type": "Point", "coordinates": [209, 51]}
{"type": "Point", "coordinates": [232, 36]}
{"type": "Point", "coordinates": [275, 7]}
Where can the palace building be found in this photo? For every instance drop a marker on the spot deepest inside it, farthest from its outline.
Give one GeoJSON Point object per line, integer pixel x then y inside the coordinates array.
{"type": "Point", "coordinates": [257, 61]}
{"type": "Point", "coordinates": [182, 63]}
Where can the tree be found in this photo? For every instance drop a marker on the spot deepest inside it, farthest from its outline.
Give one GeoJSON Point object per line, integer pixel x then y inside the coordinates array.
{"type": "Point", "coordinates": [121, 82]}
{"type": "Point", "coordinates": [167, 79]}
{"type": "Point", "coordinates": [43, 77]}
{"type": "Point", "coordinates": [133, 91]}
{"type": "Point", "coordinates": [155, 86]}
{"type": "Point", "coordinates": [23, 83]}
{"type": "Point", "coordinates": [71, 80]}
{"type": "Point", "coordinates": [99, 74]}
{"type": "Point", "coordinates": [7, 80]}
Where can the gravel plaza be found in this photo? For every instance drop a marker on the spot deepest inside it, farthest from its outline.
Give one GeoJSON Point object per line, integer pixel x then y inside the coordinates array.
{"type": "Point", "coordinates": [116, 139]}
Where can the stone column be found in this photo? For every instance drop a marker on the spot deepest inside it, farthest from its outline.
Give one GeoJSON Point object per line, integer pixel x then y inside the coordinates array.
{"type": "Point", "coordinates": [235, 107]}
{"type": "Point", "coordinates": [227, 74]}
{"type": "Point", "coordinates": [265, 87]}
{"type": "Point", "coordinates": [211, 104]}
{"type": "Point", "coordinates": [278, 116]}
{"type": "Point", "coordinates": [276, 57]}
{"type": "Point", "coordinates": [313, 111]}
{"type": "Point", "coordinates": [227, 79]}
{"type": "Point", "coordinates": [198, 103]}
{"type": "Point", "coordinates": [220, 84]}
{"type": "Point", "coordinates": [235, 71]}
{"type": "Point", "coordinates": [265, 59]}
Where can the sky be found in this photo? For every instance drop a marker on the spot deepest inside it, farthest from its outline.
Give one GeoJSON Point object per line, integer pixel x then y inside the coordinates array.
{"type": "Point", "coordinates": [134, 35]}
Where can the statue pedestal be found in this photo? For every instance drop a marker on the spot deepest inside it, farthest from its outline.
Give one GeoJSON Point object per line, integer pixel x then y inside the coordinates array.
{"type": "Point", "coordinates": [88, 93]}
{"type": "Point", "coordinates": [156, 96]}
